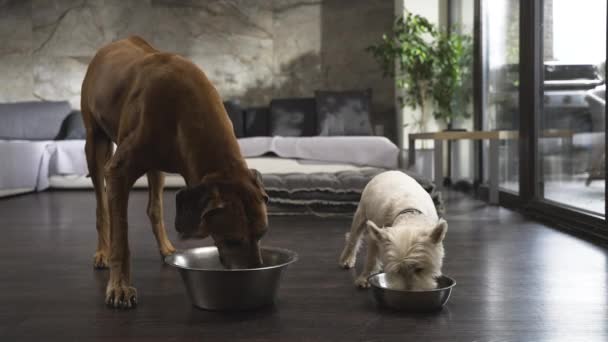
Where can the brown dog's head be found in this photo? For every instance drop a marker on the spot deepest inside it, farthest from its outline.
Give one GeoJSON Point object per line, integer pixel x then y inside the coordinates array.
{"type": "Point", "coordinates": [232, 212]}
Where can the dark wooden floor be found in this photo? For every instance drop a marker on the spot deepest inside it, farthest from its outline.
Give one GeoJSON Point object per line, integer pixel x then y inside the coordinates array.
{"type": "Point", "coordinates": [517, 281]}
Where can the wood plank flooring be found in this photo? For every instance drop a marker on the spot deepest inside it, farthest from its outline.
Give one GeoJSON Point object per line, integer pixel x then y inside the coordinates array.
{"type": "Point", "coordinates": [517, 281]}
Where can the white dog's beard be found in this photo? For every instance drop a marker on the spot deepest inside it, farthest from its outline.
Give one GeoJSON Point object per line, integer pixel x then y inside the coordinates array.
{"type": "Point", "coordinates": [396, 281]}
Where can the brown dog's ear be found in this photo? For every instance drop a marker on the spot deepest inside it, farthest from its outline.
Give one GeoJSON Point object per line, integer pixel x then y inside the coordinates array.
{"type": "Point", "coordinates": [193, 205]}
{"type": "Point", "coordinates": [214, 204]}
{"type": "Point", "coordinates": [257, 177]}
{"type": "Point", "coordinates": [189, 203]}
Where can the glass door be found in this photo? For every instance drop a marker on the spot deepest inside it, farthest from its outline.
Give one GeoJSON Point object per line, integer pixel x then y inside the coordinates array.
{"type": "Point", "coordinates": [571, 135]}
{"type": "Point", "coordinates": [500, 99]}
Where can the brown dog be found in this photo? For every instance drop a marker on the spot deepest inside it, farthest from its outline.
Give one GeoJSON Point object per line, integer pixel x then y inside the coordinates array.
{"type": "Point", "coordinates": [165, 115]}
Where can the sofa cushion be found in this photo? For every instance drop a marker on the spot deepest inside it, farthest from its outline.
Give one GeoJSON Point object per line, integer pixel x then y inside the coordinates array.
{"type": "Point", "coordinates": [256, 122]}
{"type": "Point", "coordinates": [329, 193]}
{"type": "Point", "coordinates": [294, 117]}
{"type": "Point", "coordinates": [343, 112]}
{"type": "Point", "coordinates": [73, 127]}
{"type": "Point", "coordinates": [33, 120]}
{"type": "Point", "coordinates": [235, 113]}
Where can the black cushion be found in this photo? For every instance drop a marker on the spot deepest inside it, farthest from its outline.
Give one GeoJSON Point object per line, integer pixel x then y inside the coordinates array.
{"type": "Point", "coordinates": [33, 120]}
{"type": "Point", "coordinates": [344, 112]}
{"type": "Point", "coordinates": [256, 122]}
{"type": "Point", "coordinates": [295, 117]}
{"type": "Point", "coordinates": [236, 115]}
{"type": "Point", "coordinates": [73, 127]}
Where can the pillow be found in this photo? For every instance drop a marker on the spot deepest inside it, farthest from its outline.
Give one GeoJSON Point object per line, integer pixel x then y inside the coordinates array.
{"type": "Point", "coordinates": [343, 112]}
{"type": "Point", "coordinates": [294, 117]}
{"type": "Point", "coordinates": [73, 127]}
{"type": "Point", "coordinates": [33, 120]}
{"type": "Point", "coordinates": [256, 122]}
{"type": "Point", "coordinates": [235, 113]}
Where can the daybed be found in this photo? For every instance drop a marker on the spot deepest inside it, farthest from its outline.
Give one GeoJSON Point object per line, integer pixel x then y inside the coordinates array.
{"type": "Point", "coordinates": [315, 154]}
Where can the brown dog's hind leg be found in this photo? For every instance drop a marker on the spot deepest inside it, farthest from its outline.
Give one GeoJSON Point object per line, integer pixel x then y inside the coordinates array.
{"type": "Point", "coordinates": [156, 180]}
{"type": "Point", "coordinates": [121, 172]}
{"type": "Point", "coordinates": [98, 149]}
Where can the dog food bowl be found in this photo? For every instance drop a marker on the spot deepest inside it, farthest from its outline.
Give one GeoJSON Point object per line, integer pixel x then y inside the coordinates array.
{"type": "Point", "coordinates": [212, 287]}
{"type": "Point", "coordinates": [415, 301]}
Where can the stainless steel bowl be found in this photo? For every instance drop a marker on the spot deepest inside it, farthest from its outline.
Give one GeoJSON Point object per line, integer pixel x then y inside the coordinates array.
{"type": "Point", "coordinates": [421, 301]}
{"type": "Point", "coordinates": [212, 287]}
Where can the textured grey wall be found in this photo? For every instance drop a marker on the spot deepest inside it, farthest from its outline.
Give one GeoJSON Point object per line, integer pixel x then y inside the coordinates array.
{"type": "Point", "coordinates": [251, 50]}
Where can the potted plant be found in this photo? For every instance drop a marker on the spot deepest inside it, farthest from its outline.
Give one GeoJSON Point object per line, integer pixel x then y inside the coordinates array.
{"type": "Point", "coordinates": [452, 81]}
{"type": "Point", "coordinates": [410, 49]}
{"type": "Point", "coordinates": [428, 64]}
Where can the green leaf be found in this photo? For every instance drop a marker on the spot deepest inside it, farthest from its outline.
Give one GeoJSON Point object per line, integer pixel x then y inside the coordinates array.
{"type": "Point", "coordinates": [438, 68]}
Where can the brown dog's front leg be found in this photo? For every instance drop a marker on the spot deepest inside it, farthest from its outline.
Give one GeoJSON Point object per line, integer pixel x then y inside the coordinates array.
{"type": "Point", "coordinates": [119, 178]}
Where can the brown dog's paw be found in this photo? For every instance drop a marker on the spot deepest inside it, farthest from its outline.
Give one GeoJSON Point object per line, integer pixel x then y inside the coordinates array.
{"type": "Point", "coordinates": [100, 260]}
{"type": "Point", "coordinates": [167, 250]}
{"type": "Point", "coordinates": [362, 283]}
{"type": "Point", "coordinates": [121, 296]}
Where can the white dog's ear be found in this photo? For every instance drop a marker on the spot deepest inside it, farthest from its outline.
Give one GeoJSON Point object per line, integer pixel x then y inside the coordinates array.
{"type": "Point", "coordinates": [438, 233]}
{"type": "Point", "coordinates": [375, 232]}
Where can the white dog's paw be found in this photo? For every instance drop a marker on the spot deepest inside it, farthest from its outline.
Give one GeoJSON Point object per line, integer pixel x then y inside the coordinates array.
{"type": "Point", "coordinates": [362, 283]}
{"type": "Point", "coordinates": [347, 261]}
{"type": "Point", "coordinates": [347, 264]}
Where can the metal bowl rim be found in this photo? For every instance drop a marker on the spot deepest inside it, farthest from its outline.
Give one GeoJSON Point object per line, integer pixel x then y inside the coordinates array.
{"type": "Point", "coordinates": [293, 257]}
{"type": "Point", "coordinates": [369, 280]}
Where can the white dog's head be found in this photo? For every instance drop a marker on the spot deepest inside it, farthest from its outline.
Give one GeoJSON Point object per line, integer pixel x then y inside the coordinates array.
{"type": "Point", "coordinates": [412, 257]}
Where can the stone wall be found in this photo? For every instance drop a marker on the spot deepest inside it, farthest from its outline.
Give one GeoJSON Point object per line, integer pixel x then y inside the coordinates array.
{"type": "Point", "coordinates": [251, 50]}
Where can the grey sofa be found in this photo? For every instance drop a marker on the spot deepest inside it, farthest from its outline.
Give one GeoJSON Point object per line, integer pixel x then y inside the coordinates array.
{"type": "Point", "coordinates": [322, 145]}
{"type": "Point", "coordinates": [27, 130]}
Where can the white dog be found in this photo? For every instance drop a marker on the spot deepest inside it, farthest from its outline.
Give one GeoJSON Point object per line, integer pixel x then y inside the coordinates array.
{"type": "Point", "coordinates": [410, 243]}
